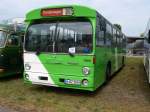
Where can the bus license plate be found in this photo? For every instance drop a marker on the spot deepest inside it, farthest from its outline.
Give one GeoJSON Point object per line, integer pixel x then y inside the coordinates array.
{"type": "Point", "coordinates": [76, 82]}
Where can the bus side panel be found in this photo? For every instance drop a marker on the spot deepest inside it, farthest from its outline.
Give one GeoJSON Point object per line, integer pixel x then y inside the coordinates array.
{"type": "Point", "coordinates": [119, 57]}
{"type": "Point", "coordinates": [100, 66]}
{"type": "Point", "coordinates": [110, 57]}
{"type": "Point", "coordinates": [113, 60]}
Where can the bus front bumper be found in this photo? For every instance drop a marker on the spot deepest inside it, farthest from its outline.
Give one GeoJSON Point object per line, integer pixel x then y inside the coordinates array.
{"type": "Point", "coordinates": [82, 83]}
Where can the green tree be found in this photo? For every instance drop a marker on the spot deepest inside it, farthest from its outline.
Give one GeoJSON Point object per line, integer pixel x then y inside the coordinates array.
{"type": "Point", "coordinates": [118, 26]}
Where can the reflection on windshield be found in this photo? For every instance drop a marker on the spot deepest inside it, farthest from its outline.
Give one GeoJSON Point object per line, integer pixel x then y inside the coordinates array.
{"type": "Point", "coordinates": [2, 38]}
{"type": "Point", "coordinates": [59, 37]}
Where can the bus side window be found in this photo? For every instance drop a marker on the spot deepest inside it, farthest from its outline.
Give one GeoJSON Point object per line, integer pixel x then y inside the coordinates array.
{"type": "Point", "coordinates": [121, 40]}
{"type": "Point", "coordinates": [100, 32]}
{"type": "Point", "coordinates": [109, 35]}
{"type": "Point", "coordinates": [118, 40]}
{"type": "Point", "coordinates": [114, 37]}
{"type": "Point", "coordinates": [13, 40]}
{"type": "Point", "coordinates": [124, 41]}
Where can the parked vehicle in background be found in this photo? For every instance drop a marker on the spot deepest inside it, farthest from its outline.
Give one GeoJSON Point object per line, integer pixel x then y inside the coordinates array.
{"type": "Point", "coordinates": [71, 47]}
{"type": "Point", "coordinates": [147, 50]}
{"type": "Point", "coordinates": [11, 49]}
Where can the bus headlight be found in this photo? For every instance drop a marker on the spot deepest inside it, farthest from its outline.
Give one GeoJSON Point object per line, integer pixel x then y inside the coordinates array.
{"type": "Point", "coordinates": [27, 67]}
{"type": "Point", "coordinates": [27, 76]}
{"type": "Point", "coordinates": [85, 82]}
{"type": "Point", "coordinates": [86, 70]}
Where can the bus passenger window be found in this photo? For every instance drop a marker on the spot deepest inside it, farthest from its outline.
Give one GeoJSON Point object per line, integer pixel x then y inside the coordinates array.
{"type": "Point", "coordinates": [114, 37]}
{"type": "Point", "coordinates": [109, 35]}
{"type": "Point", "coordinates": [13, 40]}
{"type": "Point", "coordinates": [100, 32]}
{"type": "Point", "coordinates": [118, 41]}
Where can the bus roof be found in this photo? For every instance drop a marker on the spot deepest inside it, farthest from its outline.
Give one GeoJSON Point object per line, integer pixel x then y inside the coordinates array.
{"type": "Point", "coordinates": [78, 11]}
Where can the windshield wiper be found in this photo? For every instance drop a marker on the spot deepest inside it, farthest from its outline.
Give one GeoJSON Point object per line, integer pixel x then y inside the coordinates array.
{"type": "Point", "coordinates": [55, 37]}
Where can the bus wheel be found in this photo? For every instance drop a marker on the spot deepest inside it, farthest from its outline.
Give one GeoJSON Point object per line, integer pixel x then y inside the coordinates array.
{"type": "Point", "coordinates": [123, 61]}
{"type": "Point", "coordinates": [108, 72]}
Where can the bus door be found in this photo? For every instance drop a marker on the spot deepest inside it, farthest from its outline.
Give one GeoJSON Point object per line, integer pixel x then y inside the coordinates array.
{"type": "Point", "coordinates": [13, 52]}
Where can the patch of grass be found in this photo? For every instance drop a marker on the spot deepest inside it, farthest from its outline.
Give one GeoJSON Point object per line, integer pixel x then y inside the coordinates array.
{"type": "Point", "coordinates": [127, 91]}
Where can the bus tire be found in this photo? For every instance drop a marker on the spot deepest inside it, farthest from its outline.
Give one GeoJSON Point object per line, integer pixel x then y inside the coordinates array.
{"type": "Point", "coordinates": [123, 61]}
{"type": "Point", "coordinates": [108, 71]}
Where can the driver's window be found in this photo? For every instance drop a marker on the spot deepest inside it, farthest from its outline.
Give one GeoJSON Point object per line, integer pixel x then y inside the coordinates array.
{"type": "Point", "coordinates": [13, 40]}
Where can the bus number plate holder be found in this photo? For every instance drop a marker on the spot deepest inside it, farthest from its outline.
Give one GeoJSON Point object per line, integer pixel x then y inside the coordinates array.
{"type": "Point", "coordinates": [72, 82]}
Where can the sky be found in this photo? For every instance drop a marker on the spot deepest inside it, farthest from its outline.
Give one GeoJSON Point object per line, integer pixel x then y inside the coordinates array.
{"type": "Point", "coordinates": [132, 15]}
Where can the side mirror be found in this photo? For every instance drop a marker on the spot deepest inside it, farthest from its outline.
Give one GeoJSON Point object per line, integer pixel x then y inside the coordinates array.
{"type": "Point", "coordinates": [149, 36]}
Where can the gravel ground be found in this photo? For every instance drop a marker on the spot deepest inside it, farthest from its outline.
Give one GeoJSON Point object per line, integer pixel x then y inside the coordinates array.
{"type": "Point", "coordinates": [128, 91]}
{"type": "Point", "coordinates": [2, 109]}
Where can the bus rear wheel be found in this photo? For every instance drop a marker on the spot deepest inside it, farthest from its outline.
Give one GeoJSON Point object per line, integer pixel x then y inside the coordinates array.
{"type": "Point", "coordinates": [108, 72]}
{"type": "Point", "coordinates": [123, 61]}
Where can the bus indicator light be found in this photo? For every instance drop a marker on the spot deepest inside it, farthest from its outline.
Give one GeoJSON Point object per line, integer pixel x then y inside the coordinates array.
{"type": "Point", "coordinates": [94, 60]}
{"type": "Point", "coordinates": [86, 70]}
{"type": "Point", "coordinates": [57, 12]}
{"type": "Point", "coordinates": [85, 82]}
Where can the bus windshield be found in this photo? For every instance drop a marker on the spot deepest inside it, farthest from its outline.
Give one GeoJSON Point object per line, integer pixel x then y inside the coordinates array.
{"type": "Point", "coordinates": [60, 37]}
{"type": "Point", "coordinates": [2, 38]}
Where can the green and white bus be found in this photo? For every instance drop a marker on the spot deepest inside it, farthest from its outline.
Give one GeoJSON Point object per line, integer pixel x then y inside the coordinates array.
{"type": "Point", "coordinates": [11, 50]}
{"type": "Point", "coordinates": [147, 51]}
{"type": "Point", "coordinates": [71, 47]}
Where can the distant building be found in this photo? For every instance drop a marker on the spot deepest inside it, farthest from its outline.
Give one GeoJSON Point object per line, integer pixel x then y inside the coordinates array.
{"type": "Point", "coordinates": [135, 45]}
{"type": "Point", "coordinates": [16, 20]}
{"type": "Point", "coordinates": [13, 21]}
{"type": "Point", "coordinates": [131, 39]}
